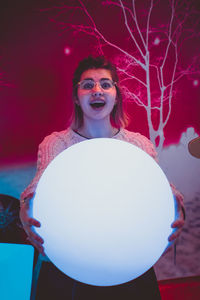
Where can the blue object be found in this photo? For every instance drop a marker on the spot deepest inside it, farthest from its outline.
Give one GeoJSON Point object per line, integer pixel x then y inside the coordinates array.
{"type": "Point", "coordinates": [16, 267]}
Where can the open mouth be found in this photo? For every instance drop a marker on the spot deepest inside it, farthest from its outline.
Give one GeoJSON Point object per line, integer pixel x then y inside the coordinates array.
{"type": "Point", "coordinates": [97, 104]}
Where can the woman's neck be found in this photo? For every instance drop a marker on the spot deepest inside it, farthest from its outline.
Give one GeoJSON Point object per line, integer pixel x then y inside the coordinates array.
{"type": "Point", "coordinates": [97, 129]}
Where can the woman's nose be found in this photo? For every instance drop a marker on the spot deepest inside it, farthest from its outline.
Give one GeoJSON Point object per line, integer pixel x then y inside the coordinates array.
{"type": "Point", "coordinates": [97, 90]}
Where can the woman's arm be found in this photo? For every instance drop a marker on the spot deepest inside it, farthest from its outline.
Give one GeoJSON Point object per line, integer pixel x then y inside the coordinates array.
{"type": "Point", "coordinates": [28, 224]}
{"type": "Point", "coordinates": [50, 147]}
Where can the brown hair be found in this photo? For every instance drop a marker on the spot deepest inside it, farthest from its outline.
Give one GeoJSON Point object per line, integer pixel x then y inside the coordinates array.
{"type": "Point", "coordinates": [118, 117]}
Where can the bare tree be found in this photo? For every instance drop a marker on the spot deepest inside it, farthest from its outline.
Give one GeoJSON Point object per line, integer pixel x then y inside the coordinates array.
{"type": "Point", "coordinates": [152, 67]}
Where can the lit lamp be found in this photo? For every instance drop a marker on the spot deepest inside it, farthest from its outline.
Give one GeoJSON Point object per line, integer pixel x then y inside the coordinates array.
{"type": "Point", "coordinates": [106, 210]}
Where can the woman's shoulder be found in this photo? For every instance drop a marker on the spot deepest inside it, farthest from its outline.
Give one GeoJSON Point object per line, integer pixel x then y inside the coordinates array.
{"type": "Point", "coordinates": [133, 136]}
{"type": "Point", "coordinates": [61, 139]}
{"type": "Point", "coordinates": [138, 140]}
{"type": "Point", "coordinates": [57, 137]}
{"type": "Point", "coordinates": [51, 146]}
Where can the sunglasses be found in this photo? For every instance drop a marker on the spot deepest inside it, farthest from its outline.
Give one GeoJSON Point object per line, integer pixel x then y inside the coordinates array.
{"type": "Point", "coordinates": [89, 84]}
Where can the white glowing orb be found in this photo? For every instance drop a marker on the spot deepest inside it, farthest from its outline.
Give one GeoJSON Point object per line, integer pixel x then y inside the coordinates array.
{"type": "Point", "coordinates": [106, 210]}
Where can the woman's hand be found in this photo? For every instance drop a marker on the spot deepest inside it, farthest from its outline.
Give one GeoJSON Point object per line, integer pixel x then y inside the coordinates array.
{"type": "Point", "coordinates": [28, 224]}
{"type": "Point", "coordinates": [179, 222]}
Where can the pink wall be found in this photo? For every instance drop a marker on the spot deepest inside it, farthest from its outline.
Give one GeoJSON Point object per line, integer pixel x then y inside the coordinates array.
{"type": "Point", "coordinates": [37, 74]}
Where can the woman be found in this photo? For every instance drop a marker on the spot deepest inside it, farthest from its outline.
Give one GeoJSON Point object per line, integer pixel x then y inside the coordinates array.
{"type": "Point", "coordinates": [98, 112]}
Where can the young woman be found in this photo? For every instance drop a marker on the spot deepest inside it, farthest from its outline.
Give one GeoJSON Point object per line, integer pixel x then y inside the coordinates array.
{"type": "Point", "coordinates": [98, 112]}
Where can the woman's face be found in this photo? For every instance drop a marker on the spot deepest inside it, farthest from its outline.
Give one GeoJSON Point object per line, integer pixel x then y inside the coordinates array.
{"type": "Point", "coordinates": [96, 101]}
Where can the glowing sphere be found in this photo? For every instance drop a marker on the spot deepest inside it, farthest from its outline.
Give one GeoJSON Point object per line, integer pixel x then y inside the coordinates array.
{"type": "Point", "coordinates": [106, 210]}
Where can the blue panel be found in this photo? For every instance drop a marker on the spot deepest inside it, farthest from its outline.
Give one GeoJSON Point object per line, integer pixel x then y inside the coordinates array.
{"type": "Point", "coordinates": [16, 266]}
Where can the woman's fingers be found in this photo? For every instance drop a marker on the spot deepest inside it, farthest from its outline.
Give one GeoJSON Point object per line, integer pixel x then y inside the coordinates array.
{"type": "Point", "coordinates": [28, 224]}
{"type": "Point", "coordinates": [174, 235]}
{"type": "Point", "coordinates": [178, 223]}
{"type": "Point", "coordinates": [35, 239]}
{"type": "Point", "coordinates": [37, 245]}
{"type": "Point", "coordinates": [32, 235]}
{"type": "Point", "coordinates": [33, 222]}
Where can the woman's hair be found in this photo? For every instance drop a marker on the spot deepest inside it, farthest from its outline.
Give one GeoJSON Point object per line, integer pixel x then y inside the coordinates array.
{"type": "Point", "coordinates": [118, 117]}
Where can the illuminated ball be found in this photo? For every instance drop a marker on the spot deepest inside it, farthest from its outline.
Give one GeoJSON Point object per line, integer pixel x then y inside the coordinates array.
{"type": "Point", "coordinates": [106, 210]}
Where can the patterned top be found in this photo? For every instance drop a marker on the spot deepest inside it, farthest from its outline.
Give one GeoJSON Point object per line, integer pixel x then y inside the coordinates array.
{"type": "Point", "coordinates": [57, 142]}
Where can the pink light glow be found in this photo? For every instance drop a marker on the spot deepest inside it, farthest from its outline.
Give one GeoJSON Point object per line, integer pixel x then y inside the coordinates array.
{"type": "Point", "coordinates": [196, 82]}
{"type": "Point", "coordinates": [67, 51]}
{"type": "Point", "coordinates": [156, 41]}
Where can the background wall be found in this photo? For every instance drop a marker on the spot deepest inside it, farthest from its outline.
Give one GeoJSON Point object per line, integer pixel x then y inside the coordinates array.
{"type": "Point", "coordinates": [41, 43]}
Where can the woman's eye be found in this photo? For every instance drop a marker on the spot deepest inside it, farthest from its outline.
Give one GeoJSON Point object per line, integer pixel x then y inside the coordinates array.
{"type": "Point", "coordinates": [88, 85]}
{"type": "Point", "coordinates": [106, 85]}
